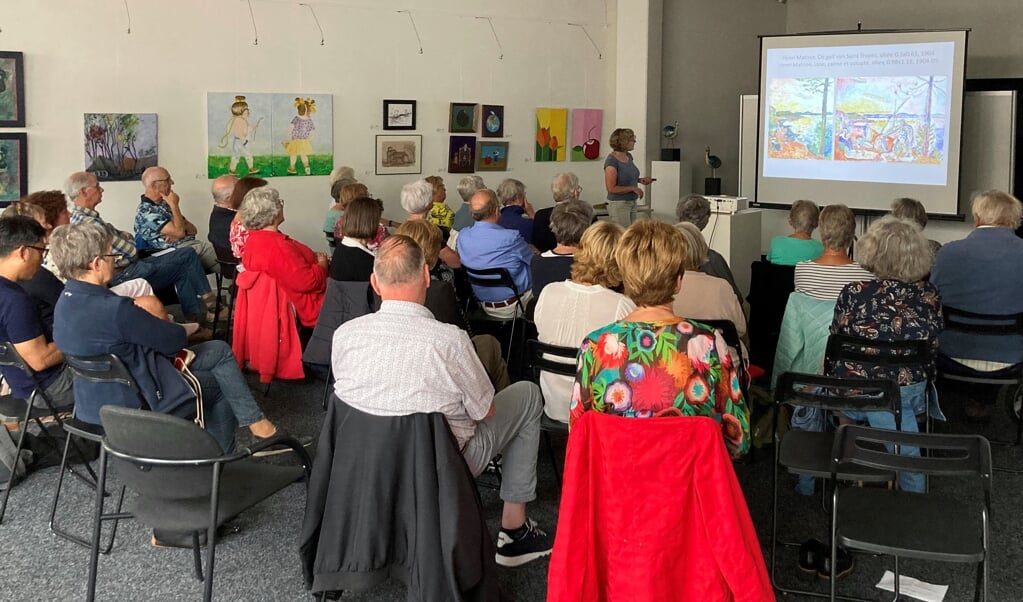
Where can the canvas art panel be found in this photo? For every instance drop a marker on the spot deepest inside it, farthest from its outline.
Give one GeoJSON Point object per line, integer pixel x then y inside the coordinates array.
{"type": "Point", "coordinates": [399, 154]}
{"type": "Point", "coordinates": [399, 114]}
{"type": "Point", "coordinates": [586, 134]}
{"type": "Point", "coordinates": [551, 132]}
{"type": "Point", "coordinates": [13, 167]}
{"type": "Point", "coordinates": [492, 121]}
{"type": "Point", "coordinates": [12, 89]}
{"type": "Point", "coordinates": [120, 146]}
{"type": "Point", "coordinates": [492, 156]}
{"type": "Point", "coordinates": [461, 154]}
{"type": "Point", "coordinates": [462, 117]}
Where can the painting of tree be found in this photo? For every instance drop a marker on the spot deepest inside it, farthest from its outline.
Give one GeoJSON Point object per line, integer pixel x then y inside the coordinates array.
{"type": "Point", "coordinates": [120, 146]}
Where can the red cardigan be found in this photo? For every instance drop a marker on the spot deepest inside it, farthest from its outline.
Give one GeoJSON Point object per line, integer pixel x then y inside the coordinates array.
{"type": "Point", "coordinates": [293, 265]}
{"type": "Point", "coordinates": [651, 510]}
{"type": "Point", "coordinates": [265, 336]}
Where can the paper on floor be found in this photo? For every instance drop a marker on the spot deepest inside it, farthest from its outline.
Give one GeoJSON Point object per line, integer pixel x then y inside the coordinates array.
{"type": "Point", "coordinates": [914, 588]}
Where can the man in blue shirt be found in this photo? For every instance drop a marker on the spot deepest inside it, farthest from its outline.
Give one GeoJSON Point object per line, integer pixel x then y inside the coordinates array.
{"type": "Point", "coordinates": [159, 223]}
{"type": "Point", "coordinates": [516, 212]}
{"type": "Point", "coordinates": [487, 245]}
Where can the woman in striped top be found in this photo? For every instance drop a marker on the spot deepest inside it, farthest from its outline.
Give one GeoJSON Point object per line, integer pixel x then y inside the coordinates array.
{"type": "Point", "coordinates": [823, 278]}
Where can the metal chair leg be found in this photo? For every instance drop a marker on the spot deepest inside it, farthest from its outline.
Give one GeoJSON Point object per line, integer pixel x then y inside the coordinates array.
{"type": "Point", "coordinates": [58, 531]}
{"type": "Point", "coordinates": [96, 528]}
{"type": "Point", "coordinates": [196, 555]}
{"type": "Point", "coordinates": [17, 456]}
{"type": "Point", "coordinates": [327, 388]}
{"type": "Point", "coordinates": [217, 305]}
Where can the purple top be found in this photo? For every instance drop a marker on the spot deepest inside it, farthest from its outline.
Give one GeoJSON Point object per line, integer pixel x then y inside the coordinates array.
{"type": "Point", "coordinates": [302, 128]}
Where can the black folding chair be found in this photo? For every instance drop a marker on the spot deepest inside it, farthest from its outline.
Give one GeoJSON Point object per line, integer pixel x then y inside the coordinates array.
{"type": "Point", "coordinates": [543, 358]}
{"type": "Point", "coordinates": [228, 272]}
{"type": "Point", "coordinates": [913, 525]}
{"type": "Point", "coordinates": [498, 278]}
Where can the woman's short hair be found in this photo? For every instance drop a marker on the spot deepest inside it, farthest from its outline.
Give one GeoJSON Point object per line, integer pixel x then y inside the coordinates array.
{"type": "Point", "coordinates": [350, 192]}
{"type": "Point", "coordinates": [895, 249]}
{"type": "Point", "coordinates": [426, 234]}
{"type": "Point", "coordinates": [564, 186]}
{"type": "Point", "coordinates": [838, 227]}
{"type": "Point", "coordinates": [649, 257]}
{"type": "Point", "coordinates": [594, 262]}
{"type": "Point", "coordinates": [435, 182]}
{"type": "Point", "coordinates": [470, 185]}
{"type": "Point", "coordinates": [362, 218]}
{"type": "Point", "coordinates": [510, 190]}
{"type": "Point", "coordinates": [417, 197]}
{"type": "Point", "coordinates": [342, 172]}
{"type": "Point", "coordinates": [74, 246]}
{"type": "Point", "coordinates": [803, 216]}
{"type": "Point", "coordinates": [696, 246]}
{"type": "Point", "coordinates": [694, 209]}
{"type": "Point", "coordinates": [620, 139]}
{"type": "Point", "coordinates": [569, 219]}
{"type": "Point", "coordinates": [28, 210]}
{"type": "Point", "coordinates": [52, 202]}
{"type": "Point", "coordinates": [260, 208]}
{"type": "Point", "coordinates": [997, 208]}
{"type": "Point", "coordinates": [912, 209]}
{"type": "Point", "coordinates": [335, 188]}
{"type": "Point", "coordinates": [242, 188]}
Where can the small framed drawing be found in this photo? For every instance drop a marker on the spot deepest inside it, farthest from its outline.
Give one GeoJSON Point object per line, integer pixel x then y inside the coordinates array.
{"type": "Point", "coordinates": [399, 115]}
{"type": "Point", "coordinates": [492, 156]}
{"type": "Point", "coordinates": [461, 154]}
{"type": "Point", "coordinates": [493, 121]}
{"type": "Point", "coordinates": [13, 167]}
{"type": "Point", "coordinates": [12, 90]}
{"type": "Point", "coordinates": [463, 117]}
{"type": "Point", "coordinates": [399, 154]}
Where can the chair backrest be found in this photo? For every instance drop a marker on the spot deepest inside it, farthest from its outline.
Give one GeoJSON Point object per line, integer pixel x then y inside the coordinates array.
{"type": "Point", "coordinates": [105, 368]}
{"type": "Point", "coordinates": [228, 263]}
{"type": "Point", "coordinates": [890, 354]}
{"type": "Point", "coordinates": [832, 393]}
{"type": "Point", "coordinates": [539, 353]}
{"type": "Point", "coordinates": [770, 286]}
{"type": "Point", "coordinates": [968, 322]}
{"type": "Point", "coordinates": [9, 356]}
{"type": "Point", "coordinates": [492, 278]}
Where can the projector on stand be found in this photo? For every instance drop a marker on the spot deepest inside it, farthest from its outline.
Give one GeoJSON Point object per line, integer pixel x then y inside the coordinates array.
{"type": "Point", "coordinates": [727, 204]}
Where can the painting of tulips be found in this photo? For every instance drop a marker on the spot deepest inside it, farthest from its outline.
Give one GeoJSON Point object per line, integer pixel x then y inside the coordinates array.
{"type": "Point", "coordinates": [551, 134]}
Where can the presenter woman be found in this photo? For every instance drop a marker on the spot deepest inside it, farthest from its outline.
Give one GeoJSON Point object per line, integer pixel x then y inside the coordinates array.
{"type": "Point", "coordinates": [621, 178]}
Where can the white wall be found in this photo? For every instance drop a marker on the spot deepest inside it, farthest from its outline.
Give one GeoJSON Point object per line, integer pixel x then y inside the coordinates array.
{"type": "Point", "coordinates": [80, 59]}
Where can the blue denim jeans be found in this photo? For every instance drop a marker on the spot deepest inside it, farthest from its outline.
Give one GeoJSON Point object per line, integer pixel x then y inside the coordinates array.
{"type": "Point", "coordinates": [228, 400]}
{"type": "Point", "coordinates": [179, 268]}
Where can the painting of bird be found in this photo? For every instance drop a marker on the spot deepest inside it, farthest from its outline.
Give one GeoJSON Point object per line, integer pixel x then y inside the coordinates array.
{"type": "Point", "coordinates": [713, 162]}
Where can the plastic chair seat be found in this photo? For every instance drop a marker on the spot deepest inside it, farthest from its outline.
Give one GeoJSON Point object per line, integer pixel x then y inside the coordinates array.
{"type": "Point", "coordinates": [809, 453]}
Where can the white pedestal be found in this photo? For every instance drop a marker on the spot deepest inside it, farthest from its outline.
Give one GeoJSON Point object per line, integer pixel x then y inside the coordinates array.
{"type": "Point", "coordinates": [737, 237]}
{"type": "Point", "coordinates": [674, 180]}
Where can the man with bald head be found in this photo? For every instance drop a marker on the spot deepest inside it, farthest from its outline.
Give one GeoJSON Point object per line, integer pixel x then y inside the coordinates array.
{"type": "Point", "coordinates": [223, 213]}
{"type": "Point", "coordinates": [159, 223]}
{"type": "Point", "coordinates": [372, 356]}
{"type": "Point", "coordinates": [487, 245]}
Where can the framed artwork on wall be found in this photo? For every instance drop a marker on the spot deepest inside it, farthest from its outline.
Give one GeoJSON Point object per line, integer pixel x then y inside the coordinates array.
{"type": "Point", "coordinates": [492, 156]}
{"type": "Point", "coordinates": [461, 154]}
{"type": "Point", "coordinates": [586, 124]}
{"type": "Point", "coordinates": [119, 146]}
{"type": "Point", "coordinates": [399, 154]}
{"type": "Point", "coordinates": [550, 134]}
{"type": "Point", "coordinates": [399, 114]}
{"type": "Point", "coordinates": [12, 90]}
{"type": "Point", "coordinates": [493, 121]}
{"type": "Point", "coordinates": [462, 117]}
{"type": "Point", "coordinates": [13, 167]}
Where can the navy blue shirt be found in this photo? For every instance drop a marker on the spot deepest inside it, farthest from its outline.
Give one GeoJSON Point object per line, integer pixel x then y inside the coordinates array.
{"type": "Point", "coordinates": [19, 323]}
{"type": "Point", "coordinates": [514, 217]}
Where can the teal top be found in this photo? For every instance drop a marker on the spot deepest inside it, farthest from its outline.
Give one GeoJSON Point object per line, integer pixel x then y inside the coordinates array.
{"type": "Point", "coordinates": [331, 219]}
{"type": "Point", "coordinates": [785, 250]}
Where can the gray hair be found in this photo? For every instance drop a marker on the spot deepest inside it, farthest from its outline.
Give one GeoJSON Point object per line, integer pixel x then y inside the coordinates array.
{"type": "Point", "coordinates": [569, 220]}
{"type": "Point", "coordinates": [74, 184]}
{"type": "Point", "coordinates": [488, 208]}
{"type": "Point", "coordinates": [997, 208]}
{"type": "Point", "coordinates": [417, 197]}
{"type": "Point", "coordinates": [895, 249]}
{"type": "Point", "coordinates": [803, 216]}
{"type": "Point", "coordinates": [74, 246]}
{"type": "Point", "coordinates": [908, 208]}
{"type": "Point", "coordinates": [222, 188]}
{"type": "Point", "coordinates": [694, 209]}
{"type": "Point", "coordinates": [695, 254]}
{"type": "Point", "coordinates": [470, 185]}
{"type": "Point", "coordinates": [342, 172]}
{"type": "Point", "coordinates": [260, 208]}
{"type": "Point", "coordinates": [509, 191]}
{"type": "Point", "coordinates": [564, 186]}
{"type": "Point", "coordinates": [399, 260]}
{"type": "Point", "coordinates": [838, 227]}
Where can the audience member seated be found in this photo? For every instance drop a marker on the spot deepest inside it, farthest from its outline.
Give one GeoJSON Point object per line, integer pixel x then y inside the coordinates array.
{"type": "Point", "coordinates": [516, 212]}
{"type": "Point", "coordinates": [898, 306]}
{"type": "Point", "coordinates": [652, 362]}
{"type": "Point", "coordinates": [467, 186]}
{"type": "Point", "coordinates": [568, 311]}
{"type": "Point", "coordinates": [439, 213]}
{"type": "Point", "coordinates": [695, 209]}
{"type": "Point", "coordinates": [22, 248]}
{"type": "Point", "coordinates": [223, 213]}
{"type": "Point", "coordinates": [91, 320]}
{"type": "Point", "coordinates": [983, 273]}
{"type": "Point", "coordinates": [349, 195]}
{"type": "Point", "coordinates": [374, 355]}
{"type": "Point", "coordinates": [565, 186]}
{"type": "Point", "coordinates": [336, 210]}
{"type": "Point", "coordinates": [487, 245]}
{"type": "Point", "coordinates": [299, 271]}
{"type": "Point", "coordinates": [159, 223]}
{"type": "Point", "coordinates": [913, 210]}
{"type": "Point", "coordinates": [823, 278]}
{"type": "Point", "coordinates": [353, 259]}
{"type": "Point", "coordinates": [418, 200]}
{"type": "Point", "coordinates": [237, 235]}
{"type": "Point", "coordinates": [798, 246]}
{"type": "Point", "coordinates": [568, 222]}
{"type": "Point", "coordinates": [341, 173]}
{"type": "Point", "coordinates": [54, 206]}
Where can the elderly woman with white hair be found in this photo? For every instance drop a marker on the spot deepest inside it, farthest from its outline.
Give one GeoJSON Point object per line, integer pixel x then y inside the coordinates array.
{"type": "Point", "coordinates": [301, 272]}
{"type": "Point", "coordinates": [564, 187]}
{"type": "Point", "coordinates": [516, 212]}
{"type": "Point", "coordinates": [467, 186]}
{"type": "Point", "coordinates": [800, 245]}
{"type": "Point", "coordinates": [823, 278]}
{"type": "Point", "coordinates": [417, 199]}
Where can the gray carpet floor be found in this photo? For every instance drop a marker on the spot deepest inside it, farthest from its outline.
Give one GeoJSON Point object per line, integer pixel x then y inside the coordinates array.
{"type": "Point", "coordinates": [258, 558]}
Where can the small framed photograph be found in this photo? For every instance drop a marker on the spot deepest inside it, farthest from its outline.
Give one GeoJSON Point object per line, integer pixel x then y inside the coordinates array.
{"type": "Point", "coordinates": [491, 156]}
{"type": "Point", "coordinates": [13, 167]}
{"type": "Point", "coordinates": [461, 154]}
{"type": "Point", "coordinates": [399, 115]}
{"type": "Point", "coordinates": [463, 118]}
{"type": "Point", "coordinates": [493, 121]}
{"type": "Point", "coordinates": [399, 154]}
{"type": "Point", "coordinates": [12, 90]}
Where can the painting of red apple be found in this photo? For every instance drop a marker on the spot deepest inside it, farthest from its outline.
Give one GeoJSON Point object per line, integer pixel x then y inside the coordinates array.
{"type": "Point", "coordinates": [586, 124]}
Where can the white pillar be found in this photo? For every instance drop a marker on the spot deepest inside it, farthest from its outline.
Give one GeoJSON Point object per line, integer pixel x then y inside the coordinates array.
{"type": "Point", "coordinates": [638, 77]}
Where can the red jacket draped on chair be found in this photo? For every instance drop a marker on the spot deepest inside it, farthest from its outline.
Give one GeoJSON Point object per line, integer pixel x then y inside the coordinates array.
{"type": "Point", "coordinates": [265, 333]}
{"type": "Point", "coordinates": [651, 510]}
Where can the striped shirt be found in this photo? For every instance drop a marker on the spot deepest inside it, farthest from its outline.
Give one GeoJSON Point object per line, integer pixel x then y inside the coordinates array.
{"type": "Point", "coordinates": [124, 247]}
{"type": "Point", "coordinates": [825, 282]}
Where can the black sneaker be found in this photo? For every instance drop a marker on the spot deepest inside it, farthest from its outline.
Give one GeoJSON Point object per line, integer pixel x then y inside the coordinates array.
{"type": "Point", "coordinates": [529, 546]}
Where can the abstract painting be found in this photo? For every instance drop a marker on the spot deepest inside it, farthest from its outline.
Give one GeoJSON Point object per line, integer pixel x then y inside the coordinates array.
{"type": "Point", "coordinates": [493, 156]}
{"type": "Point", "coordinates": [399, 154]}
{"type": "Point", "coordinates": [13, 167]}
{"type": "Point", "coordinates": [463, 117]}
{"type": "Point", "coordinates": [461, 154]}
{"type": "Point", "coordinates": [551, 125]}
{"type": "Point", "coordinates": [493, 121]}
{"type": "Point", "coordinates": [12, 90]}
{"type": "Point", "coordinates": [120, 146]}
{"type": "Point", "coordinates": [586, 125]}
{"type": "Point", "coordinates": [399, 114]}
